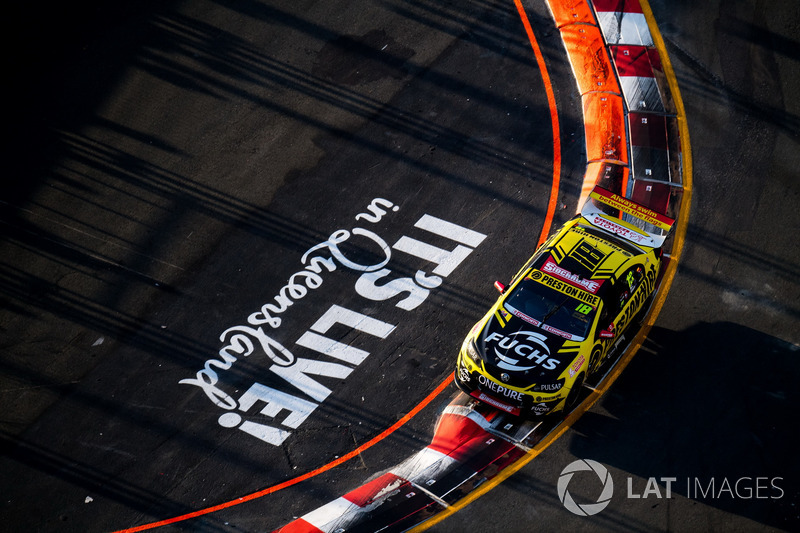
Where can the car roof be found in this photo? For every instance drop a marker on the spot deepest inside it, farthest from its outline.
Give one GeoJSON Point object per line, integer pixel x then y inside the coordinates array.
{"type": "Point", "coordinates": [588, 253]}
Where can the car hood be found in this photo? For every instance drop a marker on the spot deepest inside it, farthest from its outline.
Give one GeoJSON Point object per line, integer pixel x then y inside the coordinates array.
{"type": "Point", "coordinates": [524, 352]}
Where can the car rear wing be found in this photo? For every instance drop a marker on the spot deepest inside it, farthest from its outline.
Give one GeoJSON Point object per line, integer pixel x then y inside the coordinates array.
{"type": "Point", "coordinates": [626, 218]}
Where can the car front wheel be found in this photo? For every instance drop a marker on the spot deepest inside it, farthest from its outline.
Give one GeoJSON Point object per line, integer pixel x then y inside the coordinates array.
{"type": "Point", "coordinates": [574, 394]}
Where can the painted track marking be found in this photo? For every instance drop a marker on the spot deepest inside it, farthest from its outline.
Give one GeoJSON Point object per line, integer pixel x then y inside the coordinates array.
{"type": "Point", "coordinates": [294, 481]}
{"type": "Point", "coordinates": [677, 248]}
{"type": "Point", "coordinates": [546, 225]}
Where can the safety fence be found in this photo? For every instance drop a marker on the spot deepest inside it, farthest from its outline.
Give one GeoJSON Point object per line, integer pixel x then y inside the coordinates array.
{"type": "Point", "coordinates": [633, 141]}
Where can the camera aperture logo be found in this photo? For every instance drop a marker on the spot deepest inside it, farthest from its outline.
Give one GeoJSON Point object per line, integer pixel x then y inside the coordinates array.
{"type": "Point", "coordinates": [587, 509]}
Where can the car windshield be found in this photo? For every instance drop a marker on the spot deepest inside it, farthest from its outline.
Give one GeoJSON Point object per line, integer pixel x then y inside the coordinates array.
{"type": "Point", "coordinates": [548, 307]}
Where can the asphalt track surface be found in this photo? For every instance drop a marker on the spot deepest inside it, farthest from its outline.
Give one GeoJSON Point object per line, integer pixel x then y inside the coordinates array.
{"type": "Point", "coordinates": [169, 165]}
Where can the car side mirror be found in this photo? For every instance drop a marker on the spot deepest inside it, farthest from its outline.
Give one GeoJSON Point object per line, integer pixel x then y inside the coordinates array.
{"type": "Point", "coordinates": [500, 287]}
{"type": "Point", "coordinates": [608, 333]}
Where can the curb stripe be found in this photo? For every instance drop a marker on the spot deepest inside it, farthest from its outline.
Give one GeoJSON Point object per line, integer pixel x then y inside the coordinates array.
{"type": "Point", "coordinates": [294, 481]}
{"type": "Point", "coordinates": [672, 264]}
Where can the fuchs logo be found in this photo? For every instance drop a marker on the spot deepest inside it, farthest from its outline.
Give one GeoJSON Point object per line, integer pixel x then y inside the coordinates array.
{"type": "Point", "coordinates": [521, 351]}
{"type": "Point", "coordinates": [541, 408]}
{"type": "Point", "coordinates": [587, 465]}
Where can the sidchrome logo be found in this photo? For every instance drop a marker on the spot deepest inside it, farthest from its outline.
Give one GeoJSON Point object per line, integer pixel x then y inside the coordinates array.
{"type": "Point", "coordinates": [565, 275]}
{"type": "Point", "coordinates": [584, 465]}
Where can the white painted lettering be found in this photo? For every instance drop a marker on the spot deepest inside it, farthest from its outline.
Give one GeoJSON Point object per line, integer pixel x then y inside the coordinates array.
{"type": "Point", "coordinates": [337, 314]}
{"type": "Point", "coordinates": [446, 261]}
{"type": "Point", "coordinates": [450, 231]}
{"type": "Point", "coordinates": [283, 356]}
{"type": "Point", "coordinates": [376, 213]}
{"type": "Point", "coordinates": [337, 350]}
{"type": "Point", "coordinates": [276, 401]}
{"type": "Point", "coordinates": [366, 287]}
{"type": "Point", "coordinates": [207, 380]}
{"type": "Point", "coordinates": [340, 236]}
{"type": "Point", "coordinates": [268, 434]}
{"type": "Point", "coordinates": [244, 340]}
{"type": "Point", "coordinates": [297, 375]}
{"type": "Point", "coordinates": [239, 344]}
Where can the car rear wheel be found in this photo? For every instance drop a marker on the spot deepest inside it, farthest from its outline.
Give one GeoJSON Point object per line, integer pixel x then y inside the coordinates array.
{"type": "Point", "coordinates": [594, 360]}
{"type": "Point", "coordinates": [642, 314]}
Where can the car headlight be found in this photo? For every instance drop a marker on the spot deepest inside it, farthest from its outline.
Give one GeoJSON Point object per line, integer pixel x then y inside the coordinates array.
{"type": "Point", "coordinates": [549, 388]}
{"type": "Point", "coordinates": [472, 351]}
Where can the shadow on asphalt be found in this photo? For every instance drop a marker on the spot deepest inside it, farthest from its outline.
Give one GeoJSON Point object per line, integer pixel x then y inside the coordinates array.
{"type": "Point", "coordinates": [713, 403]}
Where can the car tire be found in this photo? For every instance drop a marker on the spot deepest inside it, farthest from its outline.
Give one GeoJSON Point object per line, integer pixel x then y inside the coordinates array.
{"type": "Point", "coordinates": [642, 314]}
{"type": "Point", "coordinates": [574, 394]}
{"type": "Point", "coordinates": [594, 360]}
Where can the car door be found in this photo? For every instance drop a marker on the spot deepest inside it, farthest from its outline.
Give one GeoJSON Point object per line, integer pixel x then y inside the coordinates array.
{"type": "Point", "coordinates": [628, 286]}
{"type": "Point", "coordinates": [618, 308]}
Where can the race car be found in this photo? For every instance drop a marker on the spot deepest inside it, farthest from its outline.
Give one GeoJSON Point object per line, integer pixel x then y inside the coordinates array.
{"type": "Point", "coordinates": [569, 312]}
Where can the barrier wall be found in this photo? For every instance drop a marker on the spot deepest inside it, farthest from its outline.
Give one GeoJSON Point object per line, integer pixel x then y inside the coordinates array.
{"type": "Point", "coordinates": [631, 131]}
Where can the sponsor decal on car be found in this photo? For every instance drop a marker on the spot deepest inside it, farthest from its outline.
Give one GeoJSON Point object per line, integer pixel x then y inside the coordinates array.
{"type": "Point", "coordinates": [563, 274]}
{"type": "Point", "coordinates": [564, 288]}
{"type": "Point", "coordinates": [520, 351]}
{"type": "Point", "coordinates": [463, 374]}
{"type": "Point", "coordinates": [632, 208]}
{"type": "Point", "coordinates": [498, 389]}
{"type": "Point", "coordinates": [556, 331]}
{"type": "Point", "coordinates": [576, 366]}
{"type": "Point", "coordinates": [531, 320]}
{"type": "Point", "coordinates": [588, 255]}
{"type": "Point", "coordinates": [540, 409]}
{"type": "Point", "coordinates": [551, 387]}
{"type": "Point", "coordinates": [593, 238]}
{"type": "Point", "coordinates": [603, 223]}
{"type": "Point", "coordinates": [495, 403]}
{"type": "Point", "coordinates": [637, 300]}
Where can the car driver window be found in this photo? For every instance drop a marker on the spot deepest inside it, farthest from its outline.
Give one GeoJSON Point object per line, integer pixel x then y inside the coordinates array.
{"type": "Point", "coordinates": [629, 283]}
{"type": "Point", "coordinates": [634, 277]}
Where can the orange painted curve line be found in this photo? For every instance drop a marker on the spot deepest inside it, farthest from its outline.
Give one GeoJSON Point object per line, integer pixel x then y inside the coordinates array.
{"type": "Point", "coordinates": [551, 104]}
{"type": "Point", "coordinates": [639, 339]}
{"type": "Point", "coordinates": [546, 225]}
{"type": "Point", "coordinates": [288, 483]}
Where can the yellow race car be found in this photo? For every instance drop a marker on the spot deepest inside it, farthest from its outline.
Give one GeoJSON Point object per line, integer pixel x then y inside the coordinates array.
{"type": "Point", "coordinates": [567, 315]}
